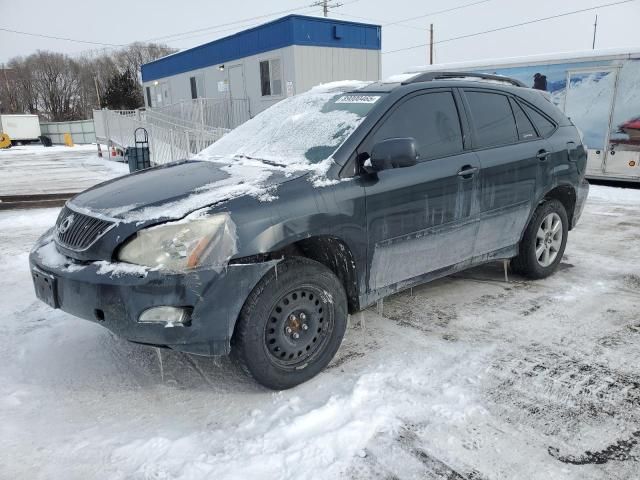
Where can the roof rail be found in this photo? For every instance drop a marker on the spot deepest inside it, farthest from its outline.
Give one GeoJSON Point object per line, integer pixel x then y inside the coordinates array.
{"type": "Point", "coordinates": [429, 76]}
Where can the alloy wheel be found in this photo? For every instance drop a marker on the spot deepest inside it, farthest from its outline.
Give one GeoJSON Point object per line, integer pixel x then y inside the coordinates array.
{"type": "Point", "coordinates": [549, 239]}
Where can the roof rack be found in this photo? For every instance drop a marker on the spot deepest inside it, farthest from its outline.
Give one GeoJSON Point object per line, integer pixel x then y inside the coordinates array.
{"type": "Point", "coordinates": [429, 76]}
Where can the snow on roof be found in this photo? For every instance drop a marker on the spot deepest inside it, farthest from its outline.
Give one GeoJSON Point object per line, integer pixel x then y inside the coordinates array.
{"type": "Point", "coordinates": [540, 59]}
{"type": "Point", "coordinates": [340, 85]}
{"type": "Point", "coordinates": [399, 77]}
{"type": "Point", "coordinates": [405, 77]}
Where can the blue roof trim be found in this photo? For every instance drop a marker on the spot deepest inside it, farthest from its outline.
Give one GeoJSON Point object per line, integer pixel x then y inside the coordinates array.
{"type": "Point", "coordinates": [280, 33]}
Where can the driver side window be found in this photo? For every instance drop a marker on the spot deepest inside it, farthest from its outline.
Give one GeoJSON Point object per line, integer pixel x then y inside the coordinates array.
{"type": "Point", "coordinates": [431, 119]}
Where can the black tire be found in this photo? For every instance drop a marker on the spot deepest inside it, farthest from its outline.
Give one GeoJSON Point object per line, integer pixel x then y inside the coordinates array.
{"type": "Point", "coordinates": [526, 263]}
{"type": "Point", "coordinates": [307, 294]}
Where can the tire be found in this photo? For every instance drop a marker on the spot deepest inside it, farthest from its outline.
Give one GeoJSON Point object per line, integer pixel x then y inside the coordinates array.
{"type": "Point", "coordinates": [540, 237]}
{"type": "Point", "coordinates": [301, 298]}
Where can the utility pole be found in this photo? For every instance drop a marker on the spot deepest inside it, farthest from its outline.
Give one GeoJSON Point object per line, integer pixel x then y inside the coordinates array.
{"type": "Point", "coordinates": [95, 81]}
{"type": "Point", "coordinates": [431, 44]}
{"type": "Point", "coordinates": [326, 6]}
{"type": "Point", "coordinates": [595, 29]}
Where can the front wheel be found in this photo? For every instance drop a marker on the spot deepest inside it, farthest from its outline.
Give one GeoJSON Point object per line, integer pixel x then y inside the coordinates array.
{"type": "Point", "coordinates": [292, 324]}
{"type": "Point", "coordinates": [544, 241]}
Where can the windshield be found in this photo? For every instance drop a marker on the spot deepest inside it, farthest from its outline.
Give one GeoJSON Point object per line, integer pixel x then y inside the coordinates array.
{"type": "Point", "coordinates": [306, 128]}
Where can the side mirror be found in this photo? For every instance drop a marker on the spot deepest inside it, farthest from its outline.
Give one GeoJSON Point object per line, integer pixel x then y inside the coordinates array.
{"type": "Point", "coordinates": [393, 153]}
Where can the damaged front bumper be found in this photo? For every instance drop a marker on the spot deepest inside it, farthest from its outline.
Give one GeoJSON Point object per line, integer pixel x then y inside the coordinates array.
{"type": "Point", "coordinates": [117, 297]}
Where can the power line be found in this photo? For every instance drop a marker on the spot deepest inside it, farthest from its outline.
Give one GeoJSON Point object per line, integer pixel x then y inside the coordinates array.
{"type": "Point", "coordinates": [401, 23]}
{"type": "Point", "coordinates": [118, 45]}
{"type": "Point", "coordinates": [368, 19]}
{"type": "Point", "coordinates": [60, 38]}
{"type": "Point", "coordinates": [245, 20]}
{"type": "Point", "coordinates": [243, 25]}
{"type": "Point", "coordinates": [511, 26]}
{"type": "Point", "coordinates": [435, 13]}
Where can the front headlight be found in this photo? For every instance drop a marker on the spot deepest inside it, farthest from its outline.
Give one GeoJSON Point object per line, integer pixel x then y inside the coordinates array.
{"type": "Point", "coordinates": [183, 245]}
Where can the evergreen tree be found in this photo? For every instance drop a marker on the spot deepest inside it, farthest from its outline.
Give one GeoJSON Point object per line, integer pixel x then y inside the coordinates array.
{"type": "Point", "coordinates": [123, 92]}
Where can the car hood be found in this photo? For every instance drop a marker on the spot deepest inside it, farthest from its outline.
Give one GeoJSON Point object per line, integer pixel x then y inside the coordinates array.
{"type": "Point", "coordinates": [177, 189]}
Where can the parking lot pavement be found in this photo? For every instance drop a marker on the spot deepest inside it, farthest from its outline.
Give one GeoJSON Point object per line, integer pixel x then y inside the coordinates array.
{"type": "Point", "coordinates": [34, 169]}
{"type": "Point", "coordinates": [468, 377]}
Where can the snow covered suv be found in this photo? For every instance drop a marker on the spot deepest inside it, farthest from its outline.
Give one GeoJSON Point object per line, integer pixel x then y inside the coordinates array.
{"type": "Point", "coordinates": [318, 207]}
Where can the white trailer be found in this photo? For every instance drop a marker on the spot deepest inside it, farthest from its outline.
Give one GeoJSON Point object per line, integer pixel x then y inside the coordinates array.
{"type": "Point", "coordinates": [21, 128]}
{"type": "Point", "coordinates": [598, 90]}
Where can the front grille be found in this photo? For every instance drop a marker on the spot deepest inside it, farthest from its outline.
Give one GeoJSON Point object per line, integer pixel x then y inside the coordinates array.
{"type": "Point", "coordinates": [77, 231]}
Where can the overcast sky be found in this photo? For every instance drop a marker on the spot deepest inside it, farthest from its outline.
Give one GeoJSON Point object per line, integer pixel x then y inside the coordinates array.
{"type": "Point", "coordinates": [124, 21]}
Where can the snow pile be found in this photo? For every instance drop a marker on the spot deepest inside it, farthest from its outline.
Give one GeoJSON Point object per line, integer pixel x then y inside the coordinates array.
{"type": "Point", "coordinates": [601, 193]}
{"type": "Point", "coordinates": [314, 436]}
{"type": "Point", "coordinates": [37, 149]}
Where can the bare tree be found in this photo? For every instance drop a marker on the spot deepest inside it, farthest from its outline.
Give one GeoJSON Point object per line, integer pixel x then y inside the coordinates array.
{"type": "Point", "coordinates": [17, 92]}
{"type": "Point", "coordinates": [57, 81]}
{"type": "Point", "coordinates": [59, 87]}
{"type": "Point", "coordinates": [137, 54]}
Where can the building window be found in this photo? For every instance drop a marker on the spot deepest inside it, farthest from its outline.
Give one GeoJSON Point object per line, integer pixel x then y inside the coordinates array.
{"type": "Point", "coordinates": [149, 96]}
{"type": "Point", "coordinates": [194, 87]}
{"type": "Point", "coordinates": [271, 77]}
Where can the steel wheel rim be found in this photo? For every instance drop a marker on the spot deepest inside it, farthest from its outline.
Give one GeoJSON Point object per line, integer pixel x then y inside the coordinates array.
{"type": "Point", "coordinates": [549, 239]}
{"type": "Point", "coordinates": [300, 325]}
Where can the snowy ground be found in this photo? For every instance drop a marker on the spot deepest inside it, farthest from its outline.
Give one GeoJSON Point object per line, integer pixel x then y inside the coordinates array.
{"type": "Point", "coordinates": [34, 169]}
{"type": "Point", "coordinates": [468, 377]}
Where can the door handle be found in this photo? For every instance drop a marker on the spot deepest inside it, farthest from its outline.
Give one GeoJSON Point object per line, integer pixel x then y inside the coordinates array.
{"type": "Point", "coordinates": [542, 155]}
{"type": "Point", "coordinates": [467, 171]}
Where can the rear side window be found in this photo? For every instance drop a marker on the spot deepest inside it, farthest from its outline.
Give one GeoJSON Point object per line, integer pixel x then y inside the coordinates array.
{"type": "Point", "coordinates": [493, 119]}
{"type": "Point", "coordinates": [525, 127]}
{"type": "Point", "coordinates": [431, 119]}
{"type": "Point", "coordinates": [542, 123]}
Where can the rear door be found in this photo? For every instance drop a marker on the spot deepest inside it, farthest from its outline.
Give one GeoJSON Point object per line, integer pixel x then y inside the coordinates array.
{"type": "Point", "coordinates": [513, 159]}
{"type": "Point", "coordinates": [589, 104]}
{"type": "Point", "coordinates": [422, 218]}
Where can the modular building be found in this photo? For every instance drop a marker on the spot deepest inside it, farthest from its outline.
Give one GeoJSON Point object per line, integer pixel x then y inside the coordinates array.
{"type": "Point", "coordinates": [260, 66]}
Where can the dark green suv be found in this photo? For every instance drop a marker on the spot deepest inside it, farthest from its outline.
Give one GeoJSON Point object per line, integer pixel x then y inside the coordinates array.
{"type": "Point", "coordinates": [316, 208]}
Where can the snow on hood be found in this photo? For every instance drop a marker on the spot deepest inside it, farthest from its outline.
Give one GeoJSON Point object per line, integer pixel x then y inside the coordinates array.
{"type": "Point", "coordinates": [295, 137]}
{"type": "Point", "coordinates": [175, 190]}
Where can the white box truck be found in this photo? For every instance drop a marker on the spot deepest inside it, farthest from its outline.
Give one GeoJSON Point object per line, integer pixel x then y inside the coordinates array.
{"type": "Point", "coordinates": [20, 128]}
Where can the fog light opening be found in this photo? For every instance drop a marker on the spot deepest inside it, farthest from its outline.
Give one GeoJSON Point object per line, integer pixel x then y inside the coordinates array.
{"type": "Point", "coordinates": [167, 316]}
{"type": "Point", "coordinates": [99, 314]}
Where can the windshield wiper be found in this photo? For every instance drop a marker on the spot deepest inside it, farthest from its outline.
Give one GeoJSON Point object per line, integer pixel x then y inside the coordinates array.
{"type": "Point", "coordinates": [267, 162]}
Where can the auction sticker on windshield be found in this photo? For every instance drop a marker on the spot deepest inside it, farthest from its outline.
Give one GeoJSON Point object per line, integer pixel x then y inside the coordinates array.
{"type": "Point", "coordinates": [358, 99]}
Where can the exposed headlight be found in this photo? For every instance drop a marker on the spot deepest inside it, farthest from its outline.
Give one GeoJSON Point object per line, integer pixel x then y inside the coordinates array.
{"type": "Point", "coordinates": [183, 245]}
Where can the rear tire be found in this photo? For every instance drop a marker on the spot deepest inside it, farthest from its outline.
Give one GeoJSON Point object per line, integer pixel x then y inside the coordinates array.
{"type": "Point", "coordinates": [542, 246]}
{"type": "Point", "coordinates": [292, 324]}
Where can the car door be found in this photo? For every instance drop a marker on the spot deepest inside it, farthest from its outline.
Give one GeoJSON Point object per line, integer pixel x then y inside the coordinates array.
{"type": "Point", "coordinates": [422, 218]}
{"type": "Point", "coordinates": [511, 155]}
